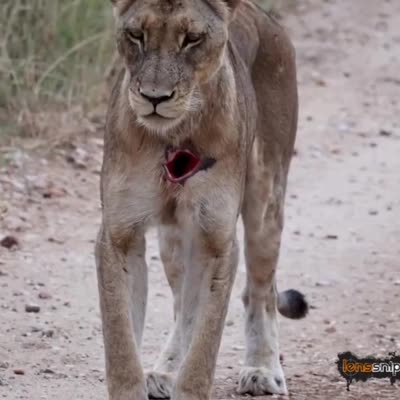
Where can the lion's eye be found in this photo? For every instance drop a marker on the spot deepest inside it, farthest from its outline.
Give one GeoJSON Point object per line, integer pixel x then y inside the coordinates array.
{"type": "Point", "coordinates": [135, 36]}
{"type": "Point", "coordinates": [192, 39]}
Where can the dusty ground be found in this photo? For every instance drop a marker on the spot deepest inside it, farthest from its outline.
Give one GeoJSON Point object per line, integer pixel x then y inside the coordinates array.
{"type": "Point", "coordinates": [340, 247]}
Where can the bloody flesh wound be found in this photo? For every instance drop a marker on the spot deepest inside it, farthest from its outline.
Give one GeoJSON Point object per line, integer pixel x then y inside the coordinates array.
{"type": "Point", "coordinates": [181, 164]}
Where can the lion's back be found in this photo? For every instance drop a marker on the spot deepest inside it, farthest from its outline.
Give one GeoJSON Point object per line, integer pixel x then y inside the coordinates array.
{"type": "Point", "coordinates": [268, 56]}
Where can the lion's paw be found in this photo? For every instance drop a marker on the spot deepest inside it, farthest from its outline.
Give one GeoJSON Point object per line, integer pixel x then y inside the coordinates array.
{"type": "Point", "coordinates": [261, 381]}
{"type": "Point", "coordinates": [159, 385]}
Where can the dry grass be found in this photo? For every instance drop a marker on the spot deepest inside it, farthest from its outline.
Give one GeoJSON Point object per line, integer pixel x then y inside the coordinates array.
{"type": "Point", "coordinates": [53, 54]}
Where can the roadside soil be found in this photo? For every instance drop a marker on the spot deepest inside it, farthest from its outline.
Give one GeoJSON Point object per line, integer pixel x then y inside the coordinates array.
{"type": "Point", "coordinates": [340, 246]}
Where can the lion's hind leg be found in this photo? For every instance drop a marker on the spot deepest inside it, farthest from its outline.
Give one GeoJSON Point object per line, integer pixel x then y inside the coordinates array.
{"type": "Point", "coordinates": [263, 220]}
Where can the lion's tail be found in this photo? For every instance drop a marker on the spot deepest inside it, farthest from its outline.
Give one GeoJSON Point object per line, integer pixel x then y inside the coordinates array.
{"type": "Point", "coordinates": [292, 304]}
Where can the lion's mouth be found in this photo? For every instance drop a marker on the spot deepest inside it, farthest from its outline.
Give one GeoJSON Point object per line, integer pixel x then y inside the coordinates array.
{"type": "Point", "coordinates": [156, 115]}
{"type": "Point", "coordinates": [181, 164]}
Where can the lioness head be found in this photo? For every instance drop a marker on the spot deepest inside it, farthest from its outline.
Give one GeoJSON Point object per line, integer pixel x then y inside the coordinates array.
{"type": "Point", "coordinates": [170, 48]}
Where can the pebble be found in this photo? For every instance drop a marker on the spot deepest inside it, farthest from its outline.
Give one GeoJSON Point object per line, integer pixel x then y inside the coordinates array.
{"type": "Point", "coordinates": [323, 283]}
{"type": "Point", "coordinates": [47, 371]}
{"type": "Point", "coordinates": [9, 242]}
{"type": "Point", "coordinates": [54, 192]}
{"type": "Point", "coordinates": [49, 333]}
{"type": "Point", "coordinates": [331, 329]}
{"type": "Point", "coordinates": [384, 132]}
{"type": "Point", "coordinates": [44, 295]}
{"type": "Point", "coordinates": [19, 371]}
{"type": "Point", "coordinates": [32, 308]}
{"type": "Point", "coordinates": [331, 237]}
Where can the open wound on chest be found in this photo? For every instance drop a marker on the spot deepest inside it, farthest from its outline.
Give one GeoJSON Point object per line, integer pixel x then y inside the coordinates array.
{"type": "Point", "coordinates": [182, 163]}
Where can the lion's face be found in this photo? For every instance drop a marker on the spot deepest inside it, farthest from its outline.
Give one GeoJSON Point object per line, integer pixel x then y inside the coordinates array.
{"type": "Point", "coordinates": [170, 48]}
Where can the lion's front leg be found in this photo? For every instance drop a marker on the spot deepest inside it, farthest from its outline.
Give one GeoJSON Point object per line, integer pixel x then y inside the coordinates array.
{"type": "Point", "coordinates": [207, 286]}
{"type": "Point", "coordinates": [122, 281]}
{"type": "Point", "coordinates": [161, 380]}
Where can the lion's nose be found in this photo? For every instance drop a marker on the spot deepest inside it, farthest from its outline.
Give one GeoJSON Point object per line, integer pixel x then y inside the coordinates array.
{"type": "Point", "coordinates": [156, 97]}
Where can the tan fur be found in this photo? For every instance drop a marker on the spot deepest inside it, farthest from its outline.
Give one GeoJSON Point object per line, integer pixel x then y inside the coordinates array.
{"type": "Point", "coordinates": [234, 99]}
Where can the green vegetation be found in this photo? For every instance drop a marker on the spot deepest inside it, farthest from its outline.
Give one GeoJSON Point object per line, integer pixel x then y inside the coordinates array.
{"type": "Point", "coordinates": [52, 52]}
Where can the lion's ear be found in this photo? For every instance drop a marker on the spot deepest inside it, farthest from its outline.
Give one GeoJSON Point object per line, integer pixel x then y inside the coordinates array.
{"type": "Point", "coordinates": [121, 5]}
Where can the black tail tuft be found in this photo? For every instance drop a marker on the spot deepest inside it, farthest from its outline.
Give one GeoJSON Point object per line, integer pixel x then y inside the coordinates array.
{"type": "Point", "coordinates": [292, 304]}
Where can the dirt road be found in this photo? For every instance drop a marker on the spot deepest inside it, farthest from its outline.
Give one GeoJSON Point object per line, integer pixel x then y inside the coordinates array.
{"type": "Point", "coordinates": [340, 247]}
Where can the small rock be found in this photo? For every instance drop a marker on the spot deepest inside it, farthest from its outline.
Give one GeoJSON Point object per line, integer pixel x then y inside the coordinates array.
{"type": "Point", "coordinates": [78, 159]}
{"type": "Point", "coordinates": [44, 295]}
{"type": "Point", "coordinates": [336, 151]}
{"type": "Point", "coordinates": [32, 308]}
{"type": "Point", "coordinates": [331, 329]}
{"type": "Point", "coordinates": [331, 237]}
{"type": "Point", "coordinates": [320, 82]}
{"type": "Point", "coordinates": [9, 242]}
{"type": "Point", "coordinates": [19, 371]}
{"type": "Point", "coordinates": [4, 365]}
{"type": "Point", "coordinates": [49, 333]}
{"type": "Point", "coordinates": [54, 192]}
{"type": "Point", "coordinates": [47, 371]}
{"type": "Point", "coordinates": [229, 323]}
{"type": "Point", "coordinates": [323, 283]}
{"type": "Point", "coordinates": [54, 240]}
{"type": "Point", "coordinates": [373, 212]}
{"type": "Point", "coordinates": [385, 133]}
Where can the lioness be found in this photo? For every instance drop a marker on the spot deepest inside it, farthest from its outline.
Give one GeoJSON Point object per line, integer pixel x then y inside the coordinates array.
{"type": "Point", "coordinates": [200, 129]}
